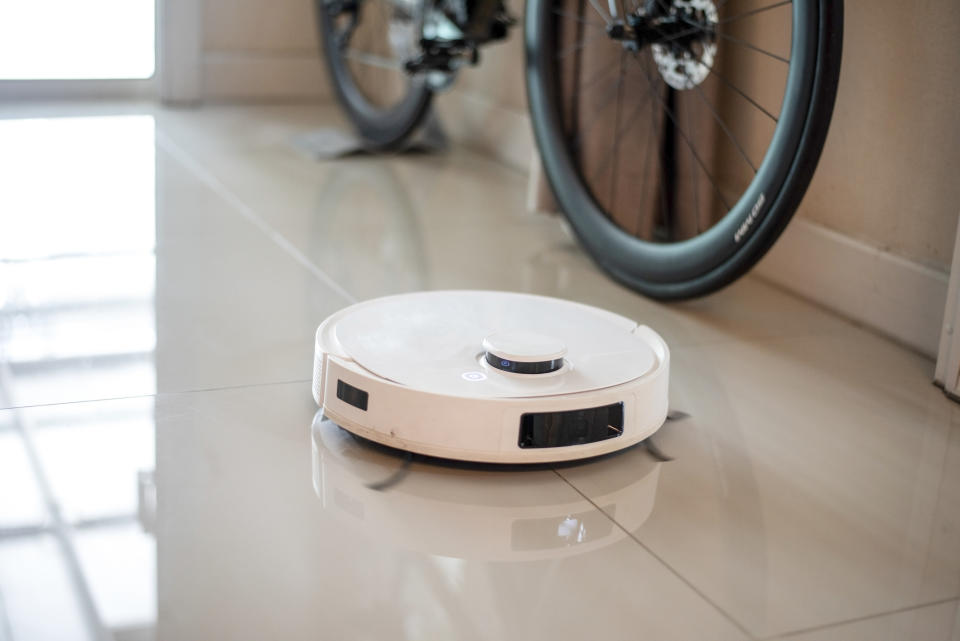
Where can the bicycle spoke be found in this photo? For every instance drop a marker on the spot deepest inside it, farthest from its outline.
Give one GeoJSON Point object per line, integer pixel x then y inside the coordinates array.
{"type": "Point", "coordinates": [686, 139]}
{"type": "Point", "coordinates": [577, 62]}
{"type": "Point", "coordinates": [646, 174]}
{"type": "Point", "coordinates": [579, 45]}
{"type": "Point", "coordinates": [617, 137]}
{"type": "Point", "coordinates": [593, 81]}
{"type": "Point", "coordinates": [607, 98]}
{"type": "Point", "coordinates": [754, 11]}
{"type": "Point", "coordinates": [619, 134]}
{"type": "Point", "coordinates": [716, 116]}
{"type": "Point", "coordinates": [664, 213]}
{"type": "Point", "coordinates": [744, 43]}
{"type": "Point", "coordinates": [721, 78]}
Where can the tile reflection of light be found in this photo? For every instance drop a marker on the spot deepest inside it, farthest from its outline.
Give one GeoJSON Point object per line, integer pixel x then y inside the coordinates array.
{"type": "Point", "coordinates": [76, 186]}
{"type": "Point", "coordinates": [34, 579]}
{"type": "Point", "coordinates": [107, 555]}
{"type": "Point", "coordinates": [20, 502]}
{"type": "Point", "coordinates": [81, 333]}
{"type": "Point", "coordinates": [77, 261]}
{"type": "Point", "coordinates": [77, 322]}
{"type": "Point", "coordinates": [33, 284]}
{"type": "Point", "coordinates": [92, 461]}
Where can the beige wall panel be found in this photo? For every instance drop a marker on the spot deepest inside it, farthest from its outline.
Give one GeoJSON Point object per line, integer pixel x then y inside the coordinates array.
{"type": "Point", "coordinates": [888, 175]}
{"type": "Point", "coordinates": [499, 76]}
{"type": "Point", "coordinates": [259, 25]}
{"type": "Point", "coordinates": [484, 126]}
{"type": "Point", "coordinates": [253, 78]}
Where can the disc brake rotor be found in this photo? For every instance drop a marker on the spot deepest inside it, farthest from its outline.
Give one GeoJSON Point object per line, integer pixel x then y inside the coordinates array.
{"type": "Point", "coordinates": [685, 66]}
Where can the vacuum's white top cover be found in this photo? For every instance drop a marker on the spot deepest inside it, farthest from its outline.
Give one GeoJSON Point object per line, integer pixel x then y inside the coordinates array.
{"type": "Point", "coordinates": [434, 341]}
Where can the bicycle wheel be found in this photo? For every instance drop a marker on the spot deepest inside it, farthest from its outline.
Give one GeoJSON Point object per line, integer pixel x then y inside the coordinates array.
{"type": "Point", "coordinates": [365, 43]}
{"type": "Point", "coordinates": [679, 136]}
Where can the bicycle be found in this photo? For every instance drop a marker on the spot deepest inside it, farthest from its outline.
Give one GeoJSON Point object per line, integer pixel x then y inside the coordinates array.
{"type": "Point", "coordinates": [678, 136]}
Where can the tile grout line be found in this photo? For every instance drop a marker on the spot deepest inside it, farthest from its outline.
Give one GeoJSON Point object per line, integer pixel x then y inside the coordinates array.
{"type": "Point", "coordinates": [206, 177]}
{"type": "Point", "coordinates": [866, 617]}
{"type": "Point", "coordinates": [198, 390]}
{"type": "Point", "coordinates": [656, 556]}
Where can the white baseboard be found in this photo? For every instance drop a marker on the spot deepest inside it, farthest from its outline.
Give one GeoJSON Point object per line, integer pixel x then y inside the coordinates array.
{"type": "Point", "coordinates": [264, 76]}
{"type": "Point", "coordinates": [895, 296]}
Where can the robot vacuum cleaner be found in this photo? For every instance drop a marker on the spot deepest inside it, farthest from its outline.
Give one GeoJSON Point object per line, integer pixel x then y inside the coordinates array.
{"type": "Point", "coordinates": [492, 377]}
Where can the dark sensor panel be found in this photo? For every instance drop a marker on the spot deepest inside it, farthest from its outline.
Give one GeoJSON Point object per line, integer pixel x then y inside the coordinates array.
{"type": "Point", "coordinates": [521, 367]}
{"type": "Point", "coordinates": [573, 427]}
{"type": "Point", "coordinates": [352, 395]}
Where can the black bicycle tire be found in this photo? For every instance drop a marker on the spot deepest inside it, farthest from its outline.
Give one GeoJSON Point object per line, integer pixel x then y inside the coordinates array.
{"type": "Point", "coordinates": [704, 264]}
{"type": "Point", "coordinates": [379, 128]}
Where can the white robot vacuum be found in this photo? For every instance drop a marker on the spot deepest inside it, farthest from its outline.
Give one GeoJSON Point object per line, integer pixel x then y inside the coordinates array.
{"type": "Point", "coordinates": [492, 377]}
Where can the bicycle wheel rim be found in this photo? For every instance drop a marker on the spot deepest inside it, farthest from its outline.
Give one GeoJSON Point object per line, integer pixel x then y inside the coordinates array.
{"type": "Point", "coordinates": [672, 270]}
{"type": "Point", "coordinates": [381, 126]}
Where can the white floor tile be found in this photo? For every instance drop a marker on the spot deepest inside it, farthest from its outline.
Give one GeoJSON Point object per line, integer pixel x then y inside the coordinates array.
{"type": "Point", "coordinates": [170, 288]}
{"type": "Point", "coordinates": [801, 494]}
{"type": "Point", "coordinates": [939, 622]}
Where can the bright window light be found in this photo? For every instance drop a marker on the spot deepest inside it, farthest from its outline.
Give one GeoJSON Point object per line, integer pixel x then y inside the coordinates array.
{"type": "Point", "coordinates": [70, 40]}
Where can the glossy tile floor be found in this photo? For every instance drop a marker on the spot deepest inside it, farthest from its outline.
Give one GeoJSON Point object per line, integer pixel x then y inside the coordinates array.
{"type": "Point", "coordinates": [163, 473]}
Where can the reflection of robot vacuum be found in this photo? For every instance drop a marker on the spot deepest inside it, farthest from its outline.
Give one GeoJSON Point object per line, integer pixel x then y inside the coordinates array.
{"type": "Point", "coordinates": [470, 514]}
{"type": "Point", "coordinates": [491, 376]}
